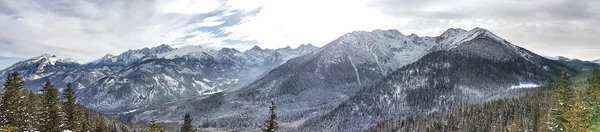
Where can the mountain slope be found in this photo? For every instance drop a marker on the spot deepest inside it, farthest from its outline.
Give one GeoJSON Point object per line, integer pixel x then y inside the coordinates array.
{"type": "Point", "coordinates": [44, 67]}
{"type": "Point", "coordinates": [180, 73]}
{"type": "Point", "coordinates": [480, 67]}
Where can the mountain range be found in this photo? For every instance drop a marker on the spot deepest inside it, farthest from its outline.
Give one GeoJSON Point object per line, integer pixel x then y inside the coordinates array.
{"type": "Point", "coordinates": [348, 84]}
{"type": "Point", "coordinates": [577, 63]}
{"type": "Point", "coordinates": [137, 78]}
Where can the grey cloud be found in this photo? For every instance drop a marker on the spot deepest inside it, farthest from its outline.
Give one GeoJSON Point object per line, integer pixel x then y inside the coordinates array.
{"type": "Point", "coordinates": [87, 29]}
{"type": "Point", "coordinates": [549, 27]}
{"type": "Point", "coordinates": [513, 9]}
{"type": "Point", "coordinates": [5, 9]}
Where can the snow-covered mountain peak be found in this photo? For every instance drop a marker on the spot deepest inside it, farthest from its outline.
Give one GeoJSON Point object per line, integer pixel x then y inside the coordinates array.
{"type": "Point", "coordinates": [307, 46]}
{"type": "Point", "coordinates": [287, 48]}
{"type": "Point", "coordinates": [50, 59]}
{"type": "Point", "coordinates": [386, 49]}
{"type": "Point", "coordinates": [454, 37]}
{"type": "Point", "coordinates": [389, 31]}
{"type": "Point", "coordinates": [175, 53]}
{"type": "Point", "coordinates": [41, 64]}
{"type": "Point", "coordinates": [256, 48]}
{"type": "Point", "coordinates": [452, 32]}
{"type": "Point", "coordinates": [162, 47]}
{"type": "Point", "coordinates": [109, 58]}
{"type": "Point", "coordinates": [228, 50]}
{"type": "Point", "coordinates": [154, 50]}
{"type": "Point", "coordinates": [378, 34]}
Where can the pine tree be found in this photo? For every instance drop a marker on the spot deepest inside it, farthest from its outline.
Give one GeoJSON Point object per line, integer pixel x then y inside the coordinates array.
{"type": "Point", "coordinates": [154, 127]}
{"type": "Point", "coordinates": [594, 99]}
{"type": "Point", "coordinates": [52, 109]}
{"type": "Point", "coordinates": [13, 110]}
{"type": "Point", "coordinates": [576, 116]}
{"type": "Point", "coordinates": [270, 124]}
{"type": "Point", "coordinates": [35, 111]}
{"type": "Point", "coordinates": [563, 102]}
{"type": "Point", "coordinates": [73, 114]}
{"type": "Point", "coordinates": [100, 125]}
{"type": "Point", "coordinates": [86, 124]}
{"type": "Point", "coordinates": [187, 124]}
{"type": "Point", "coordinates": [114, 129]}
{"type": "Point", "coordinates": [516, 123]}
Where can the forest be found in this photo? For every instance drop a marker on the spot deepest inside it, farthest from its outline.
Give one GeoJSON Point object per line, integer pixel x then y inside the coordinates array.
{"type": "Point", "coordinates": [571, 105]}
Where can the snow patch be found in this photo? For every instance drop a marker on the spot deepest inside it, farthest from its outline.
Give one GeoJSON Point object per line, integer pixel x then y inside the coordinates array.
{"type": "Point", "coordinates": [130, 111]}
{"type": "Point", "coordinates": [526, 85]}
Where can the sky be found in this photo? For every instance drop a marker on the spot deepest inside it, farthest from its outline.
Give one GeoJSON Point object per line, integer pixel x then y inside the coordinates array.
{"type": "Point", "coordinates": [86, 30]}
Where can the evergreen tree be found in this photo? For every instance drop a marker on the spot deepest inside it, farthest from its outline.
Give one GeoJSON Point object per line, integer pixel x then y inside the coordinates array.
{"type": "Point", "coordinates": [73, 114]}
{"type": "Point", "coordinates": [87, 125]}
{"type": "Point", "coordinates": [187, 124]}
{"type": "Point", "coordinates": [577, 117]}
{"type": "Point", "coordinates": [35, 112]}
{"type": "Point", "coordinates": [114, 129]}
{"type": "Point", "coordinates": [594, 99]}
{"type": "Point", "coordinates": [52, 109]}
{"type": "Point", "coordinates": [154, 127]}
{"type": "Point", "coordinates": [100, 125]}
{"type": "Point", "coordinates": [563, 102]}
{"type": "Point", "coordinates": [13, 110]}
{"type": "Point", "coordinates": [270, 124]}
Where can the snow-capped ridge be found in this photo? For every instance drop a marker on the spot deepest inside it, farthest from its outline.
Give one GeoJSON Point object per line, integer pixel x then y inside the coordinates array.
{"type": "Point", "coordinates": [256, 48]}
{"type": "Point", "coordinates": [452, 38]}
{"type": "Point", "coordinates": [560, 58]}
{"type": "Point", "coordinates": [107, 58]}
{"type": "Point", "coordinates": [175, 53]}
{"type": "Point", "coordinates": [51, 59]}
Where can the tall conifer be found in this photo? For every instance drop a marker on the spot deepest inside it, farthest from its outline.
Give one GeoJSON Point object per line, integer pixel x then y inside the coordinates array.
{"type": "Point", "coordinates": [52, 109]}
{"type": "Point", "coordinates": [13, 110]}
{"type": "Point", "coordinates": [73, 114]}
{"type": "Point", "coordinates": [187, 123]}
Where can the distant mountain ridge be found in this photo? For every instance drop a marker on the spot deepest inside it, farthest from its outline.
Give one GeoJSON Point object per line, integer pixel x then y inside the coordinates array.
{"type": "Point", "coordinates": [111, 78]}
{"type": "Point", "coordinates": [577, 63]}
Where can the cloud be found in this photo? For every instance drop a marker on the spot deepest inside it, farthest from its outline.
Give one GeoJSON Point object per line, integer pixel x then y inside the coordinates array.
{"type": "Point", "coordinates": [211, 21]}
{"type": "Point", "coordinates": [291, 22]}
{"type": "Point", "coordinates": [86, 30]}
{"type": "Point", "coordinates": [542, 26]}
